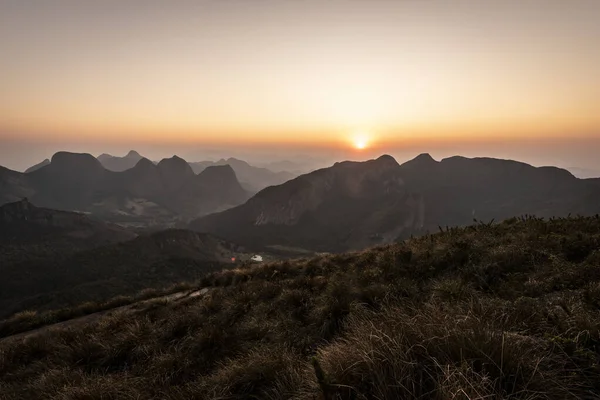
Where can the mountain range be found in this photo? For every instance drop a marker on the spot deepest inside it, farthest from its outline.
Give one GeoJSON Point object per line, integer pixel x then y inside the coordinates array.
{"type": "Point", "coordinates": [349, 205]}
{"type": "Point", "coordinates": [251, 178]}
{"type": "Point", "coordinates": [355, 204]}
{"type": "Point", "coordinates": [147, 193]}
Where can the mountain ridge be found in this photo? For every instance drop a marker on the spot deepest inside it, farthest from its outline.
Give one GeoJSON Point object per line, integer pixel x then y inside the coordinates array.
{"type": "Point", "coordinates": [119, 164]}
{"type": "Point", "coordinates": [391, 201]}
{"type": "Point", "coordinates": [146, 193]}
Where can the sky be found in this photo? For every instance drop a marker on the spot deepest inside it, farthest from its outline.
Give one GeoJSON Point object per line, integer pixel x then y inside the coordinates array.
{"type": "Point", "coordinates": [297, 78]}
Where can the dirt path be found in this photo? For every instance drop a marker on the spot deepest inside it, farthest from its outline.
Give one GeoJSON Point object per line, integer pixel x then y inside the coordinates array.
{"type": "Point", "coordinates": [86, 319]}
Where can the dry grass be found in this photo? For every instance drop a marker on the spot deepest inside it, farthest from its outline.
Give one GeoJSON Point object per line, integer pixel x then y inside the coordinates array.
{"type": "Point", "coordinates": [484, 312]}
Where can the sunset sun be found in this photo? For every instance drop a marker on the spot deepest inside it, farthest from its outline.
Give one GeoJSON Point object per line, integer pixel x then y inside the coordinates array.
{"type": "Point", "coordinates": [361, 141]}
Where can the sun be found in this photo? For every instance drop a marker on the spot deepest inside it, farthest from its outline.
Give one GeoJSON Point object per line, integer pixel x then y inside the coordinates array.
{"type": "Point", "coordinates": [361, 141]}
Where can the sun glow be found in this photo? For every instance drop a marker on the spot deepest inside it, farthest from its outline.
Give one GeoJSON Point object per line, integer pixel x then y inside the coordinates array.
{"type": "Point", "coordinates": [361, 140]}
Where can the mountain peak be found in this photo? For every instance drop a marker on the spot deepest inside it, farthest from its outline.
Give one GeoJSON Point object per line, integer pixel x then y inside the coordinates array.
{"type": "Point", "coordinates": [144, 163]}
{"type": "Point", "coordinates": [174, 163]}
{"type": "Point", "coordinates": [78, 161]}
{"type": "Point", "coordinates": [422, 162]}
{"type": "Point", "coordinates": [386, 159]}
{"type": "Point", "coordinates": [218, 174]}
{"type": "Point", "coordinates": [172, 160]}
{"type": "Point", "coordinates": [424, 157]}
{"type": "Point", "coordinates": [133, 154]}
{"type": "Point", "coordinates": [175, 171]}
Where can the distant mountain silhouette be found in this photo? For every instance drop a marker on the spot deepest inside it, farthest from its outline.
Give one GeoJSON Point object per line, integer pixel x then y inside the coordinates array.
{"type": "Point", "coordinates": [37, 166]}
{"type": "Point", "coordinates": [351, 205]}
{"type": "Point", "coordinates": [146, 193]}
{"type": "Point", "coordinates": [251, 178]}
{"type": "Point", "coordinates": [119, 164]}
{"type": "Point", "coordinates": [293, 167]}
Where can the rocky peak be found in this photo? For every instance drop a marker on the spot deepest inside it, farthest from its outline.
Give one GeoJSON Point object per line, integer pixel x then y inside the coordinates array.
{"type": "Point", "coordinates": [144, 164]}
{"type": "Point", "coordinates": [133, 154]}
{"type": "Point", "coordinates": [64, 158]}
{"type": "Point", "coordinates": [386, 159]}
{"type": "Point", "coordinates": [423, 160]}
{"type": "Point", "coordinates": [175, 172]}
{"type": "Point", "coordinates": [79, 166]}
{"type": "Point", "coordinates": [175, 164]}
{"type": "Point", "coordinates": [218, 173]}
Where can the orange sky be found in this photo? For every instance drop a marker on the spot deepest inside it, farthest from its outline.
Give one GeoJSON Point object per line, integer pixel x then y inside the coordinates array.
{"type": "Point", "coordinates": [299, 72]}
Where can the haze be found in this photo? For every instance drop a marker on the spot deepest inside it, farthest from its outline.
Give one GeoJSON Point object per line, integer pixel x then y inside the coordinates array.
{"type": "Point", "coordinates": [276, 79]}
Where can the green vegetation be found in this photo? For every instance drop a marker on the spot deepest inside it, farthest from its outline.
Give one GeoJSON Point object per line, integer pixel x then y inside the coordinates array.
{"type": "Point", "coordinates": [482, 312]}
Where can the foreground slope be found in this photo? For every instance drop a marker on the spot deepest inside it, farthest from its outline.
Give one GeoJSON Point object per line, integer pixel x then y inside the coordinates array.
{"type": "Point", "coordinates": [486, 311]}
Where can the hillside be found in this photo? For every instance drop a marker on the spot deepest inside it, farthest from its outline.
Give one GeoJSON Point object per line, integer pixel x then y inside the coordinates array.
{"type": "Point", "coordinates": [144, 195]}
{"type": "Point", "coordinates": [148, 261]}
{"type": "Point", "coordinates": [349, 205]}
{"type": "Point", "coordinates": [37, 166]}
{"type": "Point", "coordinates": [352, 205]}
{"type": "Point", "coordinates": [29, 233]}
{"type": "Point", "coordinates": [485, 311]}
{"type": "Point", "coordinates": [13, 186]}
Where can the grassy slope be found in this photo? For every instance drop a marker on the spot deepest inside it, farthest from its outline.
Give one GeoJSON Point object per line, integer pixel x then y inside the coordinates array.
{"type": "Point", "coordinates": [506, 311]}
